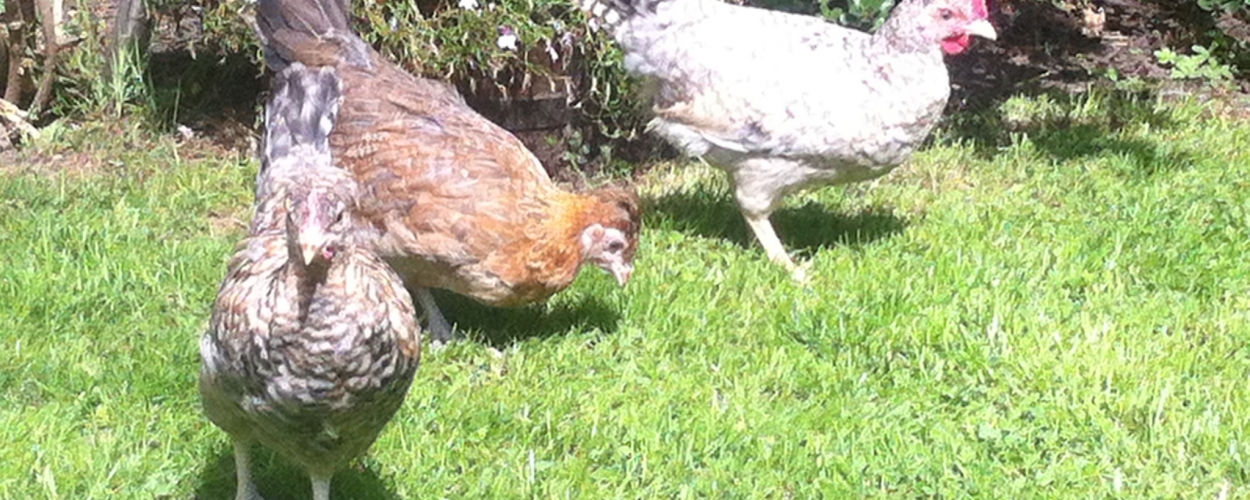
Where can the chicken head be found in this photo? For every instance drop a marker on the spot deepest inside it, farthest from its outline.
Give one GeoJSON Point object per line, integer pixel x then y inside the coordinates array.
{"type": "Point", "coordinates": [953, 22]}
{"type": "Point", "coordinates": [316, 222]}
{"type": "Point", "coordinates": [611, 250]}
{"type": "Point", "coordinates": [610, 241]}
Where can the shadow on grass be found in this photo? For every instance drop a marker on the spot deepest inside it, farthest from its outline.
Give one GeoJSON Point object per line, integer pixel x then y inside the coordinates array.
{"type": "Point", "coordinates": [500, 327]}
{"type": "Point", "coordinates": [1070, 126]}
{"type": "Point", "coordinates": [1044, 52]}
{"type": "Point", "coordinates": [806, 229]}
{"type": "Point", "coordinates": [278, 479]}
{"type": "Point", "coordinates": [1146, 158]}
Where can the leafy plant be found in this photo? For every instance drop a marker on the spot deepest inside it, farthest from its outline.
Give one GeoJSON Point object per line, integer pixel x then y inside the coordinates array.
{"type": "Point", "coordinates": [862, 14]}
{"type": "Point", "coordinates": [859, 14]}
{"type": "Point", "coordinates": [1201, 65]}
{"type": "Point", "coordinates": [1229, 31]}
{"type": "Point", "coordinates": [1223, 5]}
{"type": "Point", "coordinates": [88, 89]}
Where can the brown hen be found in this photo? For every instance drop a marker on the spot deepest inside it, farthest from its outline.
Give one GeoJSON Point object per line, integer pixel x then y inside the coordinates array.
{"type": "Point", "coordinates": [459, 203]}
{"type": "Point", "coordinates": [312, 343]}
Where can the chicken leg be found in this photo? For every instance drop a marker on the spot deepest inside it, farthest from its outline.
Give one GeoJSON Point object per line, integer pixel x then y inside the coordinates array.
{"type": "Point", "coordinates": [763, 230]}
{"type": "Point", "coordinates": [245, 489]}
{"type": "Point", "coordinates": [438, 326]}
{"type": "Point", "coordinates": [320, 486]}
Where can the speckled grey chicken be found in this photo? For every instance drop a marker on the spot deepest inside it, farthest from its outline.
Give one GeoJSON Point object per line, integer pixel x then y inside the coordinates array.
{"type": "Point", "coordinates": [312, 343]}
{"type": "Point", "coordinates": [781, 101]}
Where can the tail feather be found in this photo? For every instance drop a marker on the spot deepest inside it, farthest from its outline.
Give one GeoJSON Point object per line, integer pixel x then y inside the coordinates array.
{"type": "Point", "coordinates": [312, 32]}
{"type": "Point", "coordinates": [298, 120]}
{"type": "Point", "coordinates": [612, 13]}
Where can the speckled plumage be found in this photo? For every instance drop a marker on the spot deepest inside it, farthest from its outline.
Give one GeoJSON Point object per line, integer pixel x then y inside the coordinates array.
{"type": "Point", "coordinates": [781, 101]}
{"type": "Point", "coordinates": [312, 343]}
{"type": "Point", "coordinates": [459, 203]}
{"type": "Point", "coordinates": [311, 363]}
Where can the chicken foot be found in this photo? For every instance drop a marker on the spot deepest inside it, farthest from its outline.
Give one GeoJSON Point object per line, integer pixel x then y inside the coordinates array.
{"type": "Point", "coordinates": [321, 486]}
{"type": "Point", "coordinates": [440, 329]}
{"type": "Point", "coordinates": [246, 489]}
{"type": "Point", "coordinates": [776, 252]}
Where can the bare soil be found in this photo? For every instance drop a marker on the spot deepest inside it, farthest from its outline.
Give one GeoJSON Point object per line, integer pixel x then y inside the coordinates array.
{"type": "Point", "coordinates": [1072, 44]}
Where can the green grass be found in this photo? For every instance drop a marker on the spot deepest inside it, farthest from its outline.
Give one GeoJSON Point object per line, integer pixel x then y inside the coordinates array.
{"type": "Point", "coordinates": [1053, 303]}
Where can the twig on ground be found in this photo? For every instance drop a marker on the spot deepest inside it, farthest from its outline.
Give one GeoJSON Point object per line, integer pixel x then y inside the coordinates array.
{"type": "Point", "coordinates": [10, 113]}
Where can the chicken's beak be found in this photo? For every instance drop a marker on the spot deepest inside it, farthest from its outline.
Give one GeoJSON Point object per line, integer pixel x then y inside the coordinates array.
{"type": "Point", "coordinates": [309, 252]}
{"type": "Point", "coordinates": [622, 272]}
{"type": "Point", "coordinates": [311, 242]}
{"type": "Point", "coordinates": [982, 28]}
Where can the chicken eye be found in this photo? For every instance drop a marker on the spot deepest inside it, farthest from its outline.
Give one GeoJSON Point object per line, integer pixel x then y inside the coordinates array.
{"type": "Point", "coordinates": [616, 246]}
{"type": "Point", "coordinates": [946, 14]}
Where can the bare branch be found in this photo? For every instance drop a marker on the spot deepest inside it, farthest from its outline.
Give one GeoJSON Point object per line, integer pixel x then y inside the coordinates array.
{"type": "Point", "coordinates": [12, 19]}
{"type": "Point", "coordinates": [51, 47]}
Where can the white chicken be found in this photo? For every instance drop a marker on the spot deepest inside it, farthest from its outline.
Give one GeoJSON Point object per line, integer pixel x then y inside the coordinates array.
{"type": "Point", "coordinates": [783, 102]}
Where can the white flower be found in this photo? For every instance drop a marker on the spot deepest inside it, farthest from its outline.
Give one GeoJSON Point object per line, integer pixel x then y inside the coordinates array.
{"type": "Point", "coordinates": [468, 4]}
{"type": "Point", "coordinates": [506, 42]}
{"type": "Point", "coordinates": [551, 51]}
{"type": "Point", "coordinates": [507, 39]}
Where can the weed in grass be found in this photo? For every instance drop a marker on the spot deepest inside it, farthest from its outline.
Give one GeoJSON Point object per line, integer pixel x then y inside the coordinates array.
{"type": "Point", "coordinates": [98, 86]}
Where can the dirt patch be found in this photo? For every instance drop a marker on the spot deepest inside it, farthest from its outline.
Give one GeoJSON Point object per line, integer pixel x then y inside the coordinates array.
{"type": "Point", "coordinates": [91, 148]}
{"type": "Point", "coordinates": [27, 162]}
{"type": "Point", "coordinates": [1069, 45]}
{"type": "Point", "coordinates": [103, 146]}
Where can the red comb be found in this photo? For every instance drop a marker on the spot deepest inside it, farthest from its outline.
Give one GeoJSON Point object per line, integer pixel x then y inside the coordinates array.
{"type": "Point", "coordinates": [979, 9]}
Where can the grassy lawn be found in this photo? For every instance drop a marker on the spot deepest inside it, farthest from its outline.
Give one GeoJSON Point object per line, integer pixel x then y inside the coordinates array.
{"type": "Point", "coordinates": [1051, 301]}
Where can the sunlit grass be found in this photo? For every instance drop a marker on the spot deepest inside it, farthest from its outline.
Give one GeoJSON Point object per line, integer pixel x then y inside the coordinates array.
{"type": "Point", "coordinates": [1057, 308]}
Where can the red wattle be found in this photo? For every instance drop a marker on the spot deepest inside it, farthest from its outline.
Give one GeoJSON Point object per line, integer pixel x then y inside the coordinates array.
{"type": "Point", "coordinates": [955, 44]}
